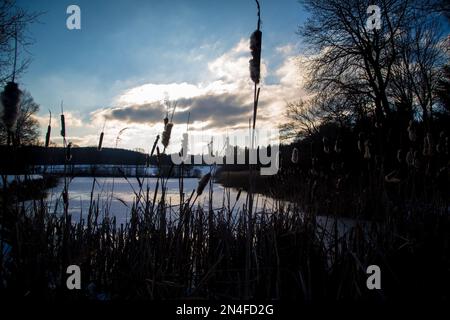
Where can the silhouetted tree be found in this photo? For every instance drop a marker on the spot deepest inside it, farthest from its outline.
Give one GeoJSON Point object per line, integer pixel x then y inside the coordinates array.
{"type": "Point", "coordinates": [443, 88]}
{"type": "Point", "coordinates": [394, 66]}
{"type": "Point", "coordinates": [303, 118]}
{"type": "Point", "coordinates": [13, 24]}
{"type": "Point", "coordinates": [27, 127]}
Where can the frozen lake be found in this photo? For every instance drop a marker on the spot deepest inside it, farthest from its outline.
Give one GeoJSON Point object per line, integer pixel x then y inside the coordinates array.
{"type": "Point", "coordinates": [119, 194]}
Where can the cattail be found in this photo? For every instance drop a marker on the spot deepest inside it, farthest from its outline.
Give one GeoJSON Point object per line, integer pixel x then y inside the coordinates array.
{"type": "Point", "coordinates": [166, 121]}
{"type": "Point", "coordinates": [294, 157]}
{"type": "Point", "coordinates": [63, 126]}
{"type": "Point", "coordinates": [410, 158]}
{"type": "Point", "coordinates": [49, 130]}
{"type": "Point", "coordinates": [69, 151]}
{"type": "Point", "coordinates": [10, 98]}
{"type": "Point", "coordinates": [166, 134]}
{"type": "Point", "coordinates": [202, 183]}
{"type": "Point", "coordinates": [100, 142]}
{"type": "Point", "coordinates": [255, 62]}
{"type": "Point", "coordinates": [412, 135]}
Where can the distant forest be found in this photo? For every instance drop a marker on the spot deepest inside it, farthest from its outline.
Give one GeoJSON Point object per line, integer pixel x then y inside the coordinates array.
{"type": "Point", "coordinates": [23, 157]}
{"type": "Point", "coordinates": [36, 155]}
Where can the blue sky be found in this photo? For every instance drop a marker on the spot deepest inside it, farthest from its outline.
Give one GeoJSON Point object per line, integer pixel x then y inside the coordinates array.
{"type": "Point", "coordinates": [125, 44]}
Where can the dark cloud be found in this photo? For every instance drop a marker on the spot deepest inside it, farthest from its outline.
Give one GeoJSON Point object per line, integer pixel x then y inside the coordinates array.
{"type": "Point", "coordinates": [223, 110]}
{"type": "Point", "coordinates": [144, 113]}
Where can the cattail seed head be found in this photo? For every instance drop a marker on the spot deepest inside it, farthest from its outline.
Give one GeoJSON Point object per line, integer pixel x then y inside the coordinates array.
{"type": "Point", "coordinates": [255, 62]}
{"type": "Point", "coordinates": [202, 183]}
{"type": "Point", "coordinates": [100, 142]}
{"type": "Point", "coordinates": [49, 130]}
{"type": "Point", "coordinates": [47, 136]}
{"type": "Point", "coordinates": [63, 126]}
{"type": "Point", "coordinates": [294, 157]}
{"type": "Point", "coordinates": [166, 134]}
{"type": "Point", "coordinates": [10, 98]}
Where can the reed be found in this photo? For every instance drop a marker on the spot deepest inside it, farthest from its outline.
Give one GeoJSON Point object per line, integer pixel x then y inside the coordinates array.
{"type": "Point", "coordinates": [100, 141]}
{"type": "Point", "coordinates": [163, 252]}
{"type": "Point", "coordinates": [49, 130]}
{"type": "Point", "coordinates": [203, 183]}
{"type": "Point", "coordinates": [63, 123]}
{"type": "Point", "coordinates": [194, 250]}
{"type": "Point", "coordinates": [166, 134]}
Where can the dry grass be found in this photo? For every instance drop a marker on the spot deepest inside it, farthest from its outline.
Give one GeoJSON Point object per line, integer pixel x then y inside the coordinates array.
{"type": "Point", "coordinates": [189, 251]}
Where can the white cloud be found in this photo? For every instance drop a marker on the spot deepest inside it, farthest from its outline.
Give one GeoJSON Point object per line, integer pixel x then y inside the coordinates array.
{"type": "Point", "coordinates": [71, 119]}
{"type": "Point", "coordinates": [287, 49]}
{"type": "Point", "coordinates": [228, 84]}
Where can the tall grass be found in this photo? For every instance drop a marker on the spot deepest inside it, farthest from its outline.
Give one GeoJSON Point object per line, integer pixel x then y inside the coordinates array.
{"type": "Point", "coordinates": [186, 250]}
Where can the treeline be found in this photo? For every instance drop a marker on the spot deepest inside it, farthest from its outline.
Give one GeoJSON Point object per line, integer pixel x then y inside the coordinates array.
{"type": "Point", "coordinates": [22, 157]}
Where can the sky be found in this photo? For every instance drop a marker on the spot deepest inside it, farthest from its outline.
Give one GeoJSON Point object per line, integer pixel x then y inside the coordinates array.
{"type": "Point", "coordinates": [129, 55]}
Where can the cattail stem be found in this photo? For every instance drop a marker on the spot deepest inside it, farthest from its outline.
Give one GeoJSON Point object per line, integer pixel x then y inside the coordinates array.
{"type": "Point", "coordinates": [15, 53]}
{"type": "Point", "coordinates": [154, 145]}
{"type": "Point", "coordinates": [187, 123]}
{"type": "Point", "coordinates": [255, 106]}
{"type": "Point", "coordinates": [259, 15]}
